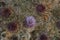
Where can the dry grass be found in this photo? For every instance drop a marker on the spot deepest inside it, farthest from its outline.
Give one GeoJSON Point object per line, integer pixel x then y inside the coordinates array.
{"type": "Point", "coordinates": [44, 22]}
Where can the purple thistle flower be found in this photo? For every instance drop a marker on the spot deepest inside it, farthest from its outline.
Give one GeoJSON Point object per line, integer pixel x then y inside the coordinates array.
{"type": "Point", "coordinates": [30, 21]}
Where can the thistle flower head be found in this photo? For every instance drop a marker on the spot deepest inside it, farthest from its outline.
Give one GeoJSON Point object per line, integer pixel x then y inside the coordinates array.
{"type": "Point", "coordinates": [43, 37]}
{"type": "Point", "coordinates": [5, 12]}
{"type": "Point", "coordinates": [30, 21]}
{"type": "Point", "coordinates": [12, 26]}
{"type": "Point", "coordinates": [40, 8]}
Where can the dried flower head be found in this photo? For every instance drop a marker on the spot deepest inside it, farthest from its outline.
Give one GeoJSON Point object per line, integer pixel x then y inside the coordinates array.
{"type": "Point", "coordinates": [30, 21]}
{"type": "Point", "coordinates": [5, 12]}
{"type": "Point", "coordinates": [43, 37]}
{"type": "Point", "coordinates": [12, 26]}
{"type": "Point", "coordinates": [40, 8]}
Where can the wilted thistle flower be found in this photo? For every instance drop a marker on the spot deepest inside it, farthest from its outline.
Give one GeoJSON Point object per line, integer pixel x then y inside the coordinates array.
{"type": "Point", "coordinates": [5, 12]}
{"type": "Point", "coordinates": [30, 21]}
{"type": "Point", "coordinates": [43, 37]}
{"type": "Point", "coordinates": [40, 8]}
{"type": "Point", "coordinates": [12, 26]}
